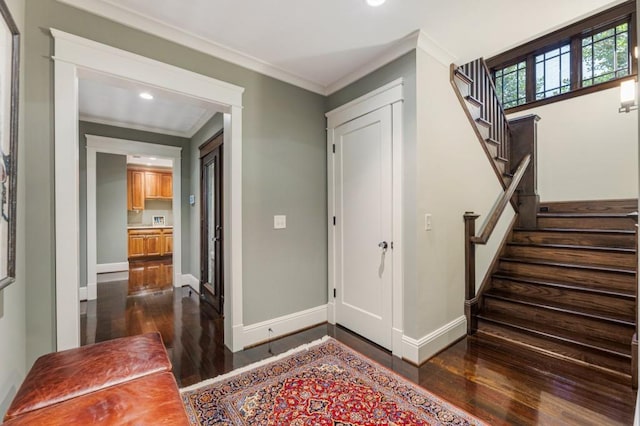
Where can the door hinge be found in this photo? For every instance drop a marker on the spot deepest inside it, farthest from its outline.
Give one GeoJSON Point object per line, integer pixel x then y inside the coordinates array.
{"type": "Point", "coordinates": [334, 221]}
{"type": "Point", "coordinates": [334, 148]}
{"type": "Point", "coordinates": [334, 293]}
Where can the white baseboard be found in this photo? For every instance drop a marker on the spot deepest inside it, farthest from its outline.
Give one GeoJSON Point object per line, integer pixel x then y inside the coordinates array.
{"type": "Point", "coordinates": [258, 333]}
{"type": "Point", "coordinates": [107, 277]}
{"type": "Point", "coordinates": [191, 281]}
{"type": "Point", "coordinates": [83, 294]}
{"type": "Point", "coordinates": [90, 292]}
{"type": "Point", "coordinates": [104, 268]}
{"type": "Point", "coordinates": [418, 351]}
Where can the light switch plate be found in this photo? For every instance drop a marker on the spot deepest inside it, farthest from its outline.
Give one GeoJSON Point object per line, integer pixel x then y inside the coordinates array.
{"type": "Point", "coordinates": [279, 222]}
{"type": "Point", "coordinates": [427, 222]}
{"type": "Point", "coordinates": [192, 199]}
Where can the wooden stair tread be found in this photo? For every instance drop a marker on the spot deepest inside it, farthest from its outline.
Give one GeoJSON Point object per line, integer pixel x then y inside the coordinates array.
{"type": "Point", "coordinates": [568, 265]}
{"type": "Point", "coordinates": [493, 141]}
{"type": "Point", "coordinates": [501, 159]}
{"type": "Point", "coordinates": [559, 350]}
{"type": "Point", "coordinates": [568, 286]}
{"type": "Point", "coordinates": [559, 306]}
{"type": "Point", "coordinates": [550, 332]}
{"type": "Point", "coordinates": [574, 247]}
{"type": "Point", "coordinates": [463, 76]}
{"type": "Point", "coordinates": [483, 122]}
{"type": "Point", "coordinates": [477, 102]}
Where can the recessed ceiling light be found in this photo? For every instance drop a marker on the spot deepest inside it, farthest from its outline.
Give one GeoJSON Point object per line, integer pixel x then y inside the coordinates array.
{"type": "Point", "coordinates": [375, 3]}
{"type": "Point", "coordinates": [148, 96]}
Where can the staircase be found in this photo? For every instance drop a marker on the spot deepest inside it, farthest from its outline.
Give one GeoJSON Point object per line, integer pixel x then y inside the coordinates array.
{"type": "Point", "coordinates": [563, 284]}
{"type": "Point", "coordinates": [567, 289]}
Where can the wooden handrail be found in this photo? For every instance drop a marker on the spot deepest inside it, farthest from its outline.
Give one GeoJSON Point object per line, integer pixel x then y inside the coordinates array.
{"type": "Point", "coordinates": [490, 224]}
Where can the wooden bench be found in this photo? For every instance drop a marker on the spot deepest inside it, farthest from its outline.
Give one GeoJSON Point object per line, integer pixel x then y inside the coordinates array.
{"type": "Point", "coordinates": [121, 381]}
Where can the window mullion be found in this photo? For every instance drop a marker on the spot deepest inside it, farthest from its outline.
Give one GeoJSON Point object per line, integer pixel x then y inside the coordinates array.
{"type": "Point", "coordinates": [576, 62]}
{"type": "Point", "coordinates": [531, 78]}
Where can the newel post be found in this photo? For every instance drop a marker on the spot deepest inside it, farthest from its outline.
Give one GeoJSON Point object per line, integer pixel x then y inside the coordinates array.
{"type": "Point", "coordinates": [524, 140]}
{"type": "Point", "coordinates": [470, 299]}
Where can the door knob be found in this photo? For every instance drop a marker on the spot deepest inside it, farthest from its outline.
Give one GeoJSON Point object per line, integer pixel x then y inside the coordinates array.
{"type": "Point", "coordinates": [383, 245]}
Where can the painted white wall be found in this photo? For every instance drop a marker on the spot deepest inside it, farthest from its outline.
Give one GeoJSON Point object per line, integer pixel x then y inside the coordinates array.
{"type": "Point", "coordinates": [12, 299]}
{"type": "Point", "coordinates": [453, 176]}
{"type": "Point", "coordinates": [587, 150]}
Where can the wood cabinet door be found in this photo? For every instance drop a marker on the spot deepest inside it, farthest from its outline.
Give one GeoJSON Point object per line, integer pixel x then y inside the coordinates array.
{"type": "Point", "coordinates": [152, 184]}
{"type": "Point", "coordinates": [136, 245]}
{"type": "Point", "coordinates": [166, 185]}
{"type": "Point", "coordinates": [153, 245]}
{"type": "Point", "coordinates": [167, 243]}
{"type": "Point", "coordinates": [135, 190]}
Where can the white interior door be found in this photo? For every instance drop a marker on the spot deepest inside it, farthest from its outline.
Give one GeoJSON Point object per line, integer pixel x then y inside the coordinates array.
{"type": "Point", "coordinates": [363, 158]}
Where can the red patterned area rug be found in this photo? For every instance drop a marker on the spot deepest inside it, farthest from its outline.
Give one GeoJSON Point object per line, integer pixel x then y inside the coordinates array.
{"type": "Point", "coordinates": [323, 383]}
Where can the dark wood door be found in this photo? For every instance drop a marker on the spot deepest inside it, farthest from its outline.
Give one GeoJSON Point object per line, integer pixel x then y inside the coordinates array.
{"type": "Point", "coordinates": [211, 219]}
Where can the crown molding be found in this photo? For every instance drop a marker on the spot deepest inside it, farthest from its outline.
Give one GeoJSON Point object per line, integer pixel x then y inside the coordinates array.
{"type": "Point", "coordinates": [399, 48]}
{"type": "Point", "coordinates": [141, 127]}
{"type": "Point", "coordinates": [430, 46]}
{"type": "Point", "coordinates": [133, 19]}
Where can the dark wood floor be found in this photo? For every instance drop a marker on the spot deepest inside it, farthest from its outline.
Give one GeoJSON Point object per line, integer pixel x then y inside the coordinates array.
{"type": "Point", "coordinates": [500, 386]}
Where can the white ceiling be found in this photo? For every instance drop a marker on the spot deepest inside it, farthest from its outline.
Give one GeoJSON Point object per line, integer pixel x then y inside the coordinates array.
{"type": "Point", "coordinates": [108, 100]}
{"type": "Point", "coordinates": [323, 45]}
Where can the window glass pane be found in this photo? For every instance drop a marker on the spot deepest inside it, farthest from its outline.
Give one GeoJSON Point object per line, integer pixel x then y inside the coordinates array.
{"type": "Point", "coordinates": [553, 72]}
{"type": "Point", "coordinates": [605, 55]}
{"type": "Point", "coordinates": [510, 84]}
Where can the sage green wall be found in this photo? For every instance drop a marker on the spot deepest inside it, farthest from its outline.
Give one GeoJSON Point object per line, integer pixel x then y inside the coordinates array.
{"type": "Point", "coordinates": [204, 134]}
{"type": "Point", "coordinates": [284, 171]}
{"type": "Point", "coordinates": [87, 128]}
{"type": "Point", "coordinates": [403, 67]}
{"type": "Point", "coordinates": [13, 308]}
{"type": "Point", "coordinates": [111, 208]}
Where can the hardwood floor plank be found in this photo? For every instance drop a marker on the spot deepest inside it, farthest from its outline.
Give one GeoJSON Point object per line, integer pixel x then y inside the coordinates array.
{"type": "Point", "coordinates": [499, 384]}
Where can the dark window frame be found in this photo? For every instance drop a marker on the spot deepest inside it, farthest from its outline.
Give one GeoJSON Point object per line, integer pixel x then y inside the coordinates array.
{"type": "Point", "coordinates": [572, 34]}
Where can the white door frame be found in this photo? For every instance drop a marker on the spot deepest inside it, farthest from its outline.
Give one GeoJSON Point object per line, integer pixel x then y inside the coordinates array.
{"type": "Point", "coordinates": [107, 145]}
{"type": "Point", "coordinates": [74, 54]}
{"type": "Point", "coordinates": [389, 94]}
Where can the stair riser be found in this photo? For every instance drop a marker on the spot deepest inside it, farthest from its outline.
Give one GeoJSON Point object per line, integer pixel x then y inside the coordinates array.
{"type": "Point", "coordinates": [578, 256]}
{"type": "Point", "coordinates": [595, 206]}
{"type": "Point", "coordinates": [577, 326]}
{"type": "Point", "coordinates": [606, 280]}
{"type": "Point", "coordinates": [595, 302]}
{"type": "Point", "coordinates": [586, 223]}
{"type": "Point", "coordinates": [548, 346]}
{"type": "Point", "coordinates": [590, 240]}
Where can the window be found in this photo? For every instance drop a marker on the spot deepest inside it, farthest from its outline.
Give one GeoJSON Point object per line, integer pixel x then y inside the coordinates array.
{"type": "Point", "coordinates": [510, 85]}
{"type": "Point", "coordinates": [553, 72]}
{"type": "Point", "coordinates": [605, 55]}
{"type": "Point", "coordinates": [581, 58]}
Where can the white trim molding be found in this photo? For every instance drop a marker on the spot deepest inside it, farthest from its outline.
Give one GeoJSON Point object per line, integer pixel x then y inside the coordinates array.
{"type": "Point", "coordinates": [90, 292]}
{"type": "Point", "coordinates": [390, 94]}
{"type": "Point", "coordinates": [418, 351]}
{"type": "Point", "coordinates": [191, 281]}
{"type": "Point", "coordinates": [281, 326]}
{"type": "Point", "coordinates": [105, 144]}
{"type": "Point", "coordinates": [74, 55]}
{"type": "Point", "coordinates": [135, 20]}
{"type": "Point", "coordinates": [104, 268]}
{"type": "Point", "coordinates": [108, 277]}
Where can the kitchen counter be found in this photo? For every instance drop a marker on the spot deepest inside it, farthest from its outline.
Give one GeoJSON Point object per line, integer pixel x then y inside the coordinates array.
{"type": "Point", "coordinates": [149, 227]}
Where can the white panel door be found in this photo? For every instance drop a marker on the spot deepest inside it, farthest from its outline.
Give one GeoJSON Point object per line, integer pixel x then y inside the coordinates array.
{"type": "Point", "coordinates": [363, 225]}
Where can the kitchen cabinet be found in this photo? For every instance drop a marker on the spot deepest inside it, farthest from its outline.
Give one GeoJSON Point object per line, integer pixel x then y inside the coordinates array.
{"type": "Point", "coordinates": [135, 190]}
{"type": "Point", "coordinates": [146, 184]}
{"type": "Point", "coordinates": [150, 242]}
